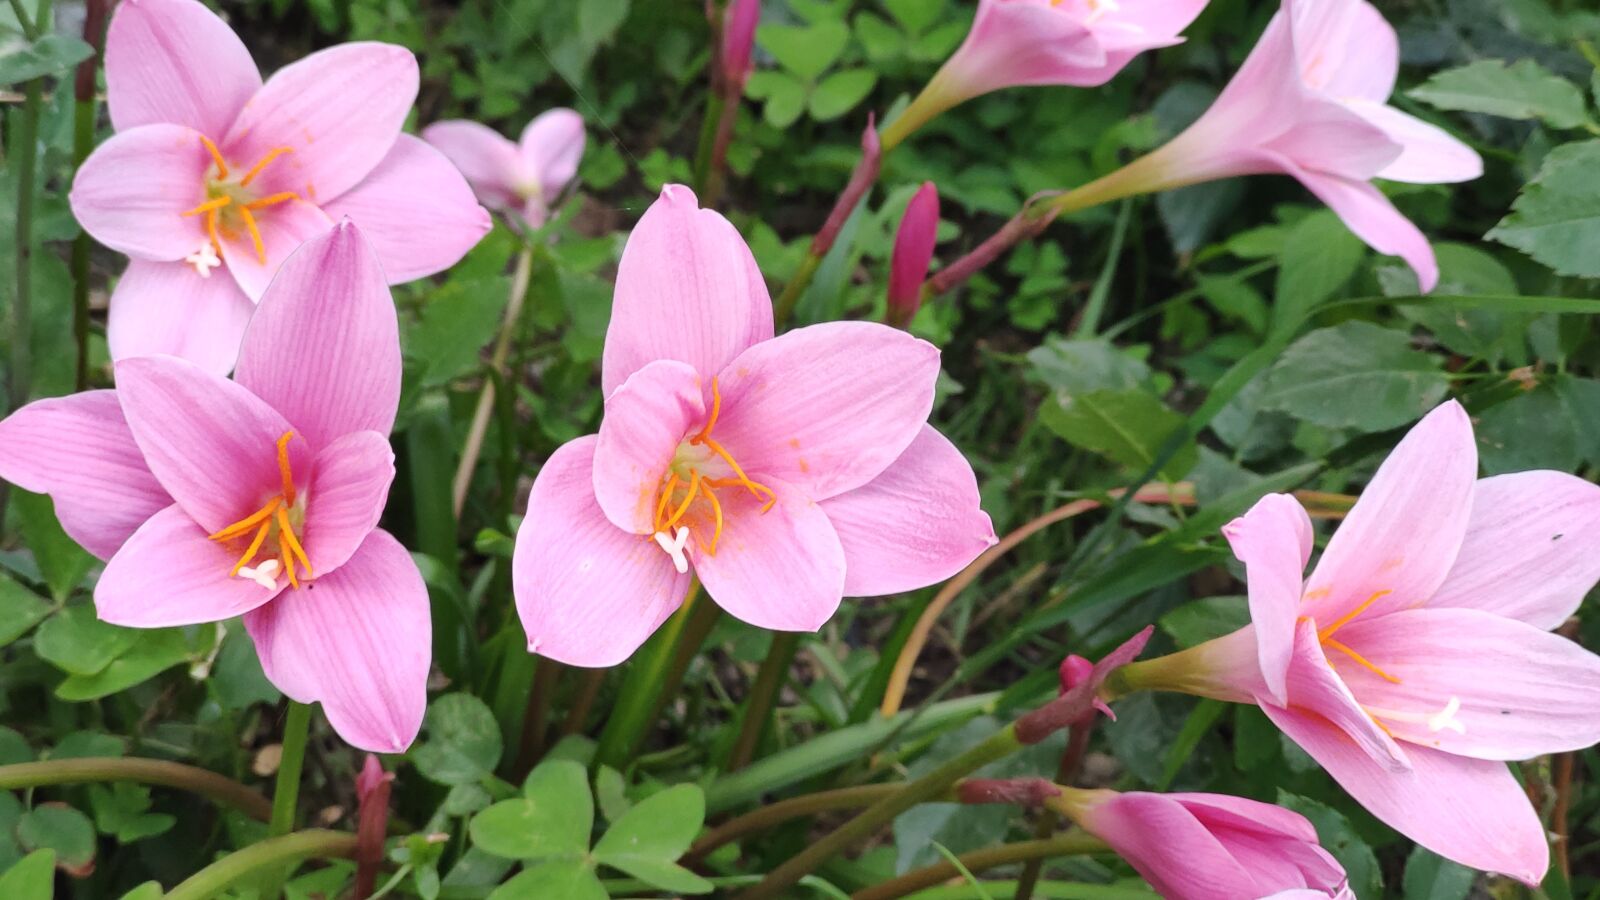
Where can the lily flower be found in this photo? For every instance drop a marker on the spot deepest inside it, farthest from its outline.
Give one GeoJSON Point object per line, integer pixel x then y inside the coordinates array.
{"type": "Point", "coordinates": [259, 496]}
{"type": "Point", "coordinates": [786, 472]}
{"type": "Point", "coordinates": [1311, 102]}
{"type": "Point", "coordinates": [1417, 658]}
{"type": "Point", "coordinates": [212, 169]}
{"type": "Point", "coordinates": [525, 177]}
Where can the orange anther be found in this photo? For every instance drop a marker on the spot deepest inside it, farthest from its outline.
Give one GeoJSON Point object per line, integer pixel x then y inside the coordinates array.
{"type": "Point", "coordinates": [249, 554]}
{"type": "Point", "coordinates": [283, 467]}
{"type": "Point", "coordinates": [286, 538]}
{"type": "Point", "coordinates": [694, 490]}
{"type": "Point", "coordinates": [249, 522]}
{"type": "Point", "coordinates": [716, 534]}
{"type": "Point", "coordinates": [216, 156]}
{"type": "Point", "coordinates": [1344, 620]}
{"type": "Point", "coordinates": [212, 204]}
{"type": "Point", "coordinates": [272, 200]}
{"type": "Point", "coordinates": [666, 495]}
{"type": "Point", "coordinates": [716, 410]}
{"type": "Point", "coordinates": [255, 234]}
{"type": "Point", "coordinates": [1362, 660]}
{"type": "Point", "coordinates": [256, 169]}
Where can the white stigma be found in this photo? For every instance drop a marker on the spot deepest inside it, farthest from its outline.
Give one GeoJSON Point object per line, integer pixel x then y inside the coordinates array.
{"type": "Point", "coordinates": [204, 260]}
{"type": "Point", "coordinates": [1446, 718]}
{"type": "Point", "coordinates": [265, 574]}
{"type": "Point", "coordinates": [674, 546]}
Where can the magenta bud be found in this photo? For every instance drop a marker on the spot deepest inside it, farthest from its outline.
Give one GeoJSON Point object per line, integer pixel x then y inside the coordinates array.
{"type": "Point", "coordinates": [738, 37]}
{"type": "Point", "coordinates": [913, 251]}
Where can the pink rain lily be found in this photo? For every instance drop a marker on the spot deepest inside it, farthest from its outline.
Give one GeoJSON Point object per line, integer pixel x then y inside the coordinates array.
{"type": "Point", "coordinates": [526, 177]}
{"type": "Point", "coordinates": [738, 39]}
{"type": "Point", "coordinates": [786, 472]}
{"type": "Point", "coordinates": [913, 251]}
{"type": "Point", "coordinates": [1417, 657]}
{"type": "Point", "coordinates": [1210, 846]}
{"type": "Point", "coordinates": [258, 496]}
{"type": "Point", "coordinates": [212, 169]}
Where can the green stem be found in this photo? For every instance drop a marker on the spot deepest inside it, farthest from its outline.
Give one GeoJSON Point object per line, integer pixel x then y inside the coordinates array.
{"type": "Point", "coordinates": [29, 30]}
{"type": "Point", "coordinates": [934, 784]}
{"type": "Point", "coordinates": [26, 155]}
{"type": "Point", "coordinates": [1094, 310]}
{"type": "Point", "coordinates": [1035, 851]}
{"type": "Point", "coordinates": [497, 362]}
{"type": "Point", "coordinates": [774, 814]}
{"type": "Point", "coordinates": [763, 695]}
{"type": "Point", "coordinates": [225, 791]}
{"type": "Point", "coordinates": [286, 792]}
{"type": "Point", "coordinates": [272, 854]}
{"type": "Point", "coordinates": [83, 111]}
{"type": "Point", "coordinates": [636, 703]}
{"type": "Point", "coordinates": [704, 617]}
{"type": "Point", "coordinates": [708, 139]}
{"type": "Point", "coordinates": [783, 307]}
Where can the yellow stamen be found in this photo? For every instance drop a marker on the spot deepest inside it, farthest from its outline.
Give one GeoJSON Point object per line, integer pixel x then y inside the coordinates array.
{"type": "Point", "coordinates": [261, 535]}
{"type": "Point", "coordinates": [666, 494]}
{"type": "Point", "coordinates": [255, 170]}
{"type": "Point", "coordinates": [287, 561]}
{"type": "Point", "coordinates": [211, 231]}
{"type": "Point", "coordinates": [255, 234]}
{"type": "Point", "coordinates": [742, 479]}
{"type": "Point", "coordinates": [716, 410]}
{"type": "Point", "coordinates": [694, 489]}
{"type": "Point", "coordinates": [716, 535]}
{"type": "Point", "coordinates": [249, 522]}
{"type": "Point", "coordinates": [286, 537]}
{"type": "Point", "coordinates": [1360, 659]}
{"type": "Point", "coordinates": [283, 467]}
{"type": "Point", "coordinates": [216, 156]}
{"type": "Point", "coordinates": [209, 205]}
{"type": "Point", "coordinates": [1344, 620]}
{"type": "Point", "coordinates": [272, 200]}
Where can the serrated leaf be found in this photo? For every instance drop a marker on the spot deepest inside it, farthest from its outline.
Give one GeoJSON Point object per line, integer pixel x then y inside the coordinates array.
{"type": "Point", "coordinates": [1355, 375]}
{"type": "Point", "coordinates": [572, 879]}
{"type": "Point", "coordinates": [20, 610]}
{"type": "Point", "coordinates": [1556, 218]}
{"type": "Point", "coordinates": [1522, 90]}
{"type": "Point", "coordinates": [1532, 430]}
{"type": "Point", "coordinates": [1318, 257]}
{"type": "Point", "coordinates": [648, 839]}
{"type": "Point", "coordinates": [459, 319]}
{"type": "Point", "coordinates": [840, 92]}
{"type": "Point", "coordinates": [462, 744]}
{"type": "Point", "coordinates": [552, 819]}
{"type": "Point", "coordinates": [1128, 427]}
{"type": "Point", "coordinates": [806, 51]}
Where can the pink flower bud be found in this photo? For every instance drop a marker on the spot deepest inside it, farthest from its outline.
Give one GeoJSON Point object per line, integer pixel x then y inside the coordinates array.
{"type": "Point", "coordinates": [913, 250]}
{"type": "Point", "coordinates": [1075, 670]}
{"type": "Point", "coordinates": [738, 35]}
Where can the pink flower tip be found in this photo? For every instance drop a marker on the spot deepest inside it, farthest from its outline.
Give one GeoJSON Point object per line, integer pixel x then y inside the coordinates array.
{"type": "Point", "coordinates": [372, 777]}
{"type": "Point", "coordinates": [913, 251]}
{"type": "Point", "coordinates": [738, 37]}
{"type": "Point", "coordinates": [871, 144]}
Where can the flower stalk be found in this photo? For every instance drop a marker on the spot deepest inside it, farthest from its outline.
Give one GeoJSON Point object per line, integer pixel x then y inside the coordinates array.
{"type": "Point", "coordinates": [27, 157]}
{"type": "Point", "coordinates": [83, 111]}
{"type": "Point", "coordinates": [861, 181]}
{"type": "Point", "coordinates": [473, 448]}
{"type": "Point", "coordinates": [160, 772]}
{"type": "Point", "coordinates": [763, 694]}
{"type": "Point", "coordinates": [637, 702]}
{"type": "Point", "coordinates": [268, 855]}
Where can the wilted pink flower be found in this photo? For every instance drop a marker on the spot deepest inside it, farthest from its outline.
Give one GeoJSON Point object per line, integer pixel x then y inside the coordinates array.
{"type": "Point", "coordinates": [1417, 657]}
{"type": "Point", "coordinates": [1210, 846]}
{"type": "Point", "coordinates": [787, 472]}
{"type": "Point", "coordinates": [738, 37]}
{"type": "Point", "coordinates": [525, 177]}
{"type": "Point", "coordinates": [212, 169]}
{"type": "Point", "coordinates": [259, 496]}
{"type": "Point", "coordinates": [913, 251]}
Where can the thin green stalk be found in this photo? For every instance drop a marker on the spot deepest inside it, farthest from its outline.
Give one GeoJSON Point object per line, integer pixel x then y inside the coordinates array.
{"type": "Point", "coordinates": [1035, 851]}
{"type": "Point", "coordinates": [934, 784]}
{"type": "Point", "coordinates": [1094, 310]}
{"type": "Point", "coordinates": [29, 31]}
{"type": "Point", "coordinates": [708, 140]}
{"type": "Point", "coordinates": [1071, 759]}
{"type": "Point", "coordinates": [497, 364]}
{"type": "Point", "coordinates": [783, 307]}
{"type": "Point", "coordinates": [273, 854]}
{"type": "Point", "coordinates": [208, 784]}
{"type": "Point", "coordinates": [636, 704]}
{"type": "Point", "coordinates": [286, 791]}
{"type": "Point", "coordinates": [26, 156]}
{"type": "Point", "coordinates": [83, 112]}
{"type": "Point", "coordinates": [774, 814]}
{"type": "Point", "coordinates": [763, 695]}
{"type": "Point", "coordinates": [704, 618]}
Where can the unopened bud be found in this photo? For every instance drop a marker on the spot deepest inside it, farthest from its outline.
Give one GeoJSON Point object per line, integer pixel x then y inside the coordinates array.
{"type": "Point", "coordinates": [913, 251]}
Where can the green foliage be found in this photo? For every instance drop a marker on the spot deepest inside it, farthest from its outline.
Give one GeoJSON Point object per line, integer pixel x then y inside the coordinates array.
{"type": "Point", "coordinates": [1522, 90]}
{"type": "Point", "coordinates": [1556, 218]}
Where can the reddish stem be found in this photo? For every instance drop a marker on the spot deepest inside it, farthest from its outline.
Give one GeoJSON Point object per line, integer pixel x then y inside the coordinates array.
{"type": "Point", "coordinates": [1028, 792]}
{"type": "Point", "coordinates": [861, 180]}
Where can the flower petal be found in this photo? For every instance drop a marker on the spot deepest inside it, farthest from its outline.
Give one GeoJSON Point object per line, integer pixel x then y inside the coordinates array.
{"type": "Point", "coordinates": [359, 640]}
{"type": "Point", "coordinates": [1169, 847]}
{"type": "Point", "coordinates": [1523, 692]}
{"type": "Point", "coordinates": [588, 592]}
{"type": "Point", "coordinates": [646, 419]}
{"type": "Point", "coordinates": [1530, 551]}
{"type": "Point", "coordinates": [1314, 686]}
{"type": "Point", "coordinates": [782, 569]}
{"type": "Point", "coordinates": [828, 407]}
{"type": "Point", "coordinates": [339, 110]}
{"type": "Point", "coordinates": [78, 449]}
{"type": "Point", "coordinates": [210, 442]}
{"type": "Point", "coordinates": [324, 346]}
{"type": "Point", "coordinates": [175, 61]}
{"type": "Point", "coordinates": [283, 228]}
{"type": "Point", "coordinates": [687, 289]}
{"type": "Point", "coordinates": [1369, 214]}
{"type": "Point", "coordinates": [1428, 154]}
{"type": "Point", "coordinates": [1471, 811]}
{"type": "Point", "coordinates": [550, 149]}
{"type": "Point", "coordinates": [169, 573]}
{"type": "Point", "coordinates": [169, 309]}
{"type": "Point", "coordinates": [1273, 540]}
{"type": "Point", "coordinates": [1406, 530]}
{"type": "Point", "coordinates": [917, 523]}
{"type": "Point", "coordinates": [416, 209]}
{"type": "Point", "coordinates": [1329, 138]}
{"type": "Point", "coordinates": [485, 157]}
{"type": "Point", "coordinates": [132, 192]}
{"type": "Point", "coordinates": [1013, 44]}
{"type": "Point", "coordinates": [349, 487]}
{"type": "Point", "coordinates": [1345, 47]}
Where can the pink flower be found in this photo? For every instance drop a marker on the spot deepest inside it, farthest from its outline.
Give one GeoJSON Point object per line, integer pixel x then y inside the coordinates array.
{"type": "Point", "coordinates": [525, 177]}
{"type": "Point", "coordinates": [211, 169]}
{"type": "Point", "coordinates": [1210, 846]}
{"type": "Point", "coordinates": [1417, 657]}
{"type": "Point", "coordinates": [738, 36]}
{"type": "Point", "coordinates": [259, 496]}
{"type": "Point", "coordinates": [786, 471]}
{"type": "Point", "coordinates": [913, 250]}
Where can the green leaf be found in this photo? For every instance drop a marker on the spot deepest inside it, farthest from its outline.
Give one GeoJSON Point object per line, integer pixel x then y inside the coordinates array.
{"type": "Point", "coordinates": [569, 879]}
{"type": "Point", "coordinates": [1430, 876]}
{"type": "Point", "coordinates": [122, 810]}
{"type": "Point", "coordinates": [648, 839]}
{"type": "Point", "coordinates": [463, 741]}
{"type": "Point", "coordinates": [1532, 430]}
{"type": "Point", "coordinates": [785, 96]}
{"type": "Point", "coordinates": [1523, 90]}
{"type": "Point", "coordinates": [32, 878]}
{"type": "Point", "coordinates": [1318, 257]}
{"type": "Point", "coordinates": [1201, 620]}
{"type": "Point", "coordinates": [915, 16]}
{"type": "Point", "coordinates": [612, 793]}
{"type": "Point", "coordinates": [1080, 366]}
{"type": "Point", "coordinates": [150, 890]}
{"type": "Point", "coordinates": [805, 51]}
{"type": "Point", "coordinates": [51, 54]}
{"type": "Point", "coordinates": [76, 642]}
{"type": "Point", "coordinates": [20, 609]}
{"type": "Point", "coordinates": [1126, 426]}
{"type": "Point", "coordinates": [552, 820]}
{"type": "Point", "coordinates": [61, 828]}
{"type": "Point", "coordinates": [14, 747]}
{"type": "Point", "coordinates": [459, 319]}
{"type": "Point", "coordinates": [61, 561]}
{"type": "Point", "coordinates": [598, 20]}
{"type": "Point", "coordinates": [154, 653]}
{"type": "Point", "coordinates": [1556, 218]}
{"type": "Point", "coordinates": [1355, 375]}
{"type": "Point", "coordinates": [1341, 840]}
{"type": "Point", "coordinates": [840, 92]}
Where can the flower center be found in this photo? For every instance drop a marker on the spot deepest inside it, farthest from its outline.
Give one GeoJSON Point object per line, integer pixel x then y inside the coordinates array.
{"type": "Point", "coordinates": [278, 518]}
{"type": "Point", "coordinates": [230, 205]}
{"type": "Point", "coordinates": [687, 499]}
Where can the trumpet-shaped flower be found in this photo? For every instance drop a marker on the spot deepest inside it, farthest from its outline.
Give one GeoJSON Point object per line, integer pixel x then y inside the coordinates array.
{"type": "Point", "coordinates": [1417, 657]}
{"type": "Point", "coordinates": [525, 177]}
{"type": "Point", "coordinates": [259, 496]}
{"type": "Point", "coordinates": [212, 170]}
{"type": "Point", "coordinates": [786, 472]}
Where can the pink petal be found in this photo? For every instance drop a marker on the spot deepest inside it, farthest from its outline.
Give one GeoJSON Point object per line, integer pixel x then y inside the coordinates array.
{"type": "Point", "coordinates": [1471, 811]}
{"type": "Point", "coordinates": [1345, 47]}
{"type": "Point", "coordinates": [1016, 43]}
{"type": "Point", "coordinates": [1314, 686]}
{"type": "Point", "coordinates": [550, 149]}
{"type": "Point", "coordinates": [781, 569]}
{"type": "Point", "coordinates": [1328, 138]}
{"type": "Point", "coordinates": [416, 209]}
{"type": "Point", "coordinates": [1240, 814]}
{"type": "Point", "coordinates": [1403, 535]}
{"type": "Point", "coordinates": [132, 192]}
{"type": "Point", "coordinates": [913, 251]}
{"type": "Point", "coordinates": [918, 523]}
{"type": "Point", "coordinates": [1370, 215]}
{"type": "Point", "coordinates": [283, 229]}
{"type": "Point", "coordinates": [169, 573]}
{"type": "Point", "coordinates": [1166, 844]}
{"type": "Point", "coordinates": [359, 641]}
{"type": "Point", "coordinates": [339, 110]}
{"type": "Point", "coordinates": [486, 158]}
{"type": "Point", "coordinates": [210, 442]}
{"type": "Point", "coordinates": [174, 61]}
{"type": "Point", "coordinates": [324, 347]}
{"type": "Point", "coordinates": [1273, 540]}
{"type": "Point", "coordinates": [829, 407]}
{"type": "Point", "coordinates": [349, 487]}
{"type": "Point", "coordinates": [1530, 550]}
{"type": "Point", "coordinates": [168, 309]}
{"type": "Point", "coordinates": [687, 289]}
{"type": "Point", "coordinates": [1523, 691]}
{"type": "Point", "coordinates": [79, 450]}
{"type": "Point", "coordinates": [1429, 154]}
{"type": "Point", "coordinates": [646, 419]}
{"type": "Point", "coordinates": [588, 592]}
{"type": "Point", "coordinates": [1275, 845]}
